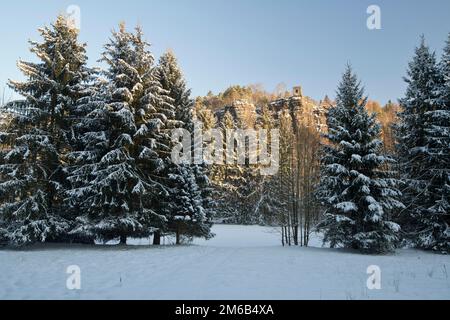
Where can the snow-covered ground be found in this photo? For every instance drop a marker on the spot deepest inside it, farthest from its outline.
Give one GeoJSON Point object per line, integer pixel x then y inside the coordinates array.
{"type": "Point", "coordinates": [240, 263]}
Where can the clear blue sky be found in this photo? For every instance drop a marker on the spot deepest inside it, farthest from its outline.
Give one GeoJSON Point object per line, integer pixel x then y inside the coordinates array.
{"type": "Point", "coordinates": [225, 42]}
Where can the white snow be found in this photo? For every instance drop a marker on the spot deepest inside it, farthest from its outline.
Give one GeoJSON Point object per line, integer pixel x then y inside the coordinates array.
{"type": "Point", "coordinates": [240, 263]}
{"type": "Point", "coordinates": [347, 206]}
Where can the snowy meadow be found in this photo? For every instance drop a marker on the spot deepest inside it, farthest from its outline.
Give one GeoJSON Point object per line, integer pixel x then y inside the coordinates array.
{"type": "Point", "coordinates": [241, 262]}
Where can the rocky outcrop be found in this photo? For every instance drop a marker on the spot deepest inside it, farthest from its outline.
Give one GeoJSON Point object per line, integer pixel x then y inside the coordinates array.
{"type": "Point", "coordinates": [304, 110]}
{"type": "Point", "coordinates": [243, 112]}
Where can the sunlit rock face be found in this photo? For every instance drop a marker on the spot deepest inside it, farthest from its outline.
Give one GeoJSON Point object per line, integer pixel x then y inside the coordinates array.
{"type": "Point", "coordinates": [303, 109]}
{"type": "Point", "coordinates": [306, 111]}
{"type": "Point", "coordinates": [244, 113]}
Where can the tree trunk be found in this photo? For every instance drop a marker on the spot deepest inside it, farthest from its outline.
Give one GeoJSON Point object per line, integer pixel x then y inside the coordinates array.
{"type": "Point", "coordinates": [289, 234]}
{"type": "Point", "coordinates": [157, 238]}
{"type": "Point", "coordinates": [178, 237]}
{"type": "Point", "coordinates": [296, 238]}
{"type": "Point", "coordinates": [123, 240]}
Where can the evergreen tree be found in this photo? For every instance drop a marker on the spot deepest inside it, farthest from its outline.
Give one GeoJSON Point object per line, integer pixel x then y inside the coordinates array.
{"type": "Point", "coordinates": [122, 192]}
{"type": "Point", "coordinates": [153, 138]}
{"type": "Point", "coordinates": [186, 216]}
{"type": "Point", "coordinates": [423, 136]}
{"type": "Point", "coordinates": [356, 189]}
{"type": "Point", "coordinates": [172, 80]}
{"type": "Point", "coordinates": [90, 144]}
{"type": "Point", "coordinates": [187, 204]}
{"type": "Point", "coordinates": [435, 230]}
{"type": "Point", "coordinates": [32, 174]}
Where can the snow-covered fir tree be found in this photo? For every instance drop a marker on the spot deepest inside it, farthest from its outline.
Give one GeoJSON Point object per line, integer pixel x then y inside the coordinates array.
{"type": "Point", "coordinates": [172, 80]}
{"type": "Point", "coordinates": [423, 143]}
{"type": "Point", "coordinates": [435, 229]}
{"type": "Point", "coordinates": [189, 207]}
{"type": "Point", "coordinates": [32, 175]}
{"type": "Point", "coordinates": [439, 137]}
{"type": "Point", "coordinates": [356, 189]}
{"type": "Point", "coordinates": [155, 120]}
{"type": "Point", "coordinates": [90, 143]}
{"type": "Point", "coordinates": [5, 120]}
{"type": "Point", "coordinates": [185, 214]}
{"type": "Point", "coordinates": [123, 189]}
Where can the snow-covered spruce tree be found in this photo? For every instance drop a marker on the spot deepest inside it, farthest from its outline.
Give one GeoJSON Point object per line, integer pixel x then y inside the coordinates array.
{"type": "Point", "coordinates": [185, 213]}
{"type": "Point", "coordinates": [423, 145]}
{"type": "Point", "coordinates": [434, 228]}
{"type": "Point", "coordinates": [172, 80]}
{"type": "Point", "coordinates": [5, 119]}
{"type": "Point", "coordinates": [156, 120]}
{"type": "Point", "coordinates": [32, 172]}
{"type": "Point", "coordinates": [434, 220]}
{"type": "Point", "coordinates": [89, 144]}
{"type": "Point", "coordinates": [356, 189]}
{"type": "Point", "coordinates": [122, 191]}
{"type": "Point", "coordinates": [438, 129]}
{"type": "Point", "coordinates": [188, 205]}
